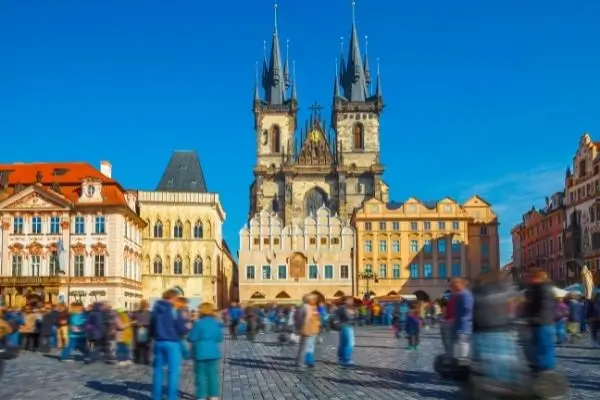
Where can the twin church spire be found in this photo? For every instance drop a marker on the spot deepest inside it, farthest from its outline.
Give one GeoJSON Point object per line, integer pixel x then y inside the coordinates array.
{"type": "Point", "coordinates": [352, 78]}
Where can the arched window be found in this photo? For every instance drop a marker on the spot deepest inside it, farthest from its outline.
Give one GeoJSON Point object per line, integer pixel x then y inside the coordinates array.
{"type": "Point", "coordinates": [178, 230]}
{"type": "Point", "coordinates": [178, 266]}
{"type": "Point", "coordinates": [158, 265]}
{"type": "Point", "coordinates": [198, 230]}
{"type": "Point", "coordinates": [198, 266]}
{"type": "Point", "coordinates": [275, 139]}
{"type": "Point", "coordinates": [158, 230]}
{"type": "Point", "coordinates": [359, 137]}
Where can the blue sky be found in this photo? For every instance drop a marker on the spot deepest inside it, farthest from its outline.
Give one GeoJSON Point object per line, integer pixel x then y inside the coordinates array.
{"type": "Point", "coordinates": [486, 97]}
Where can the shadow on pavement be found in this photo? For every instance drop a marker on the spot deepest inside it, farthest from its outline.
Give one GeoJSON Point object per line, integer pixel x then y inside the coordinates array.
{"type": "Point", "coordinates": [358, 346]}
{"type": "Point", "coordinates": [251, 363]}
{"type": "Point", "coordinates": [407, 381]}
{"type": "Point", "coordinates": [114, 389]}
{"type": "Point", "coordinates": [578, 359]}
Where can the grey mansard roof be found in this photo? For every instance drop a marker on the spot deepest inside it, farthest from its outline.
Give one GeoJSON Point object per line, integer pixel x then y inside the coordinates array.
{"type": "Point", "coordinates": [183, 174]}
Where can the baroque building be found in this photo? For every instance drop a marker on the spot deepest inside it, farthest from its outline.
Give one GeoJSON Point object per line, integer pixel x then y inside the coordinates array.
{"type": "Point", "coordinates": [69, 233]}
{"type": "Point", "coordinates": [183, 245]}
{"type": "Point", "coordinates": [303, 173]}
{"type": "Point", "coordinates": [415, 247]}
{"type": "Point", "coordinates": [582, 214]}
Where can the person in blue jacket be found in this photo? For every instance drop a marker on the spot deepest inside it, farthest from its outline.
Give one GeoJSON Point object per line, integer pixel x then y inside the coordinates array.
{"type": "Point", "coordinates": [235, 315]}
{"type": "Point", "coordinates": [206, 336]}
{"type": "Point", "coordinates": [167, 327]}
{"type": "Point", "coordinates": [462, 327]}
{"type": "Point", "coordinates": [77, 334]}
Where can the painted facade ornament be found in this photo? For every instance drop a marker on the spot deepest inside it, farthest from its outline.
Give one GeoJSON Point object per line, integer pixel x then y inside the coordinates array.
{"type": "Point", "coordinates": [99, 249]}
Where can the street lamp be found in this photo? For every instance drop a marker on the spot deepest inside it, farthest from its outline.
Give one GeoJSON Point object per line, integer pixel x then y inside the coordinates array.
{"type": "Point", "coordinates": [368, 275]}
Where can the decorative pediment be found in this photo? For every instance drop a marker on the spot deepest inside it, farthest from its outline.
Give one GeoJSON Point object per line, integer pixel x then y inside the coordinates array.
{"type": "Point", "coordinates": [315, 148]}
{"type": "Point", "coordinates": [16, 248]}
{"type": "Point", "coordinates": [257, 295]}
{"type": "Point", "coordinates": [283, 295]}
{"type": "Point", "coordinates": [35, 249]}
{"type": "Point", "coordinates": [35, 197]}
{"type": "Point", "coordinates": [99, 249]}
{"type": "Point", "coordinates": [78, 249]}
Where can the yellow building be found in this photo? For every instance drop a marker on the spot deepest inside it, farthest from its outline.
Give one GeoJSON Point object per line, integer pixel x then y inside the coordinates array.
{"type": "Point", "coordinates": [183, 245]}
{"type": "Point", "coordinates": [415, 247]}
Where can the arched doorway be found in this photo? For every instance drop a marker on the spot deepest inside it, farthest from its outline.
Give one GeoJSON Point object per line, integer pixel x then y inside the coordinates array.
{"type": "Point", "coordinates": [320, 297]}
{"type": "Point", "coordinates": [421, 295]}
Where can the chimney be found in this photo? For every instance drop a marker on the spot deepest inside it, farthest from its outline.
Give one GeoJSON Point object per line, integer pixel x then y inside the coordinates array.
{"type": "Point", "coordinates": [106, 169]}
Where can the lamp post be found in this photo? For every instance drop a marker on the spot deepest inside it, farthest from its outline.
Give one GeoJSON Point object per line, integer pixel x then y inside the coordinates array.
{"type": "Point", "coordinates": [368, 275]}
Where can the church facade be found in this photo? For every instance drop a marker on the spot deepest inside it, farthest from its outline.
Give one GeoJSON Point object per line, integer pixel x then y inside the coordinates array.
{"type": "Point", "coordinates": [309, 179]}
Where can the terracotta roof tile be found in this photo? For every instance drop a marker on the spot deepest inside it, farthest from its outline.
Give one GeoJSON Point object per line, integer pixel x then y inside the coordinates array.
{"type": "Point", "coordinates": [61, 173]}
{"type": "Point", "coordinates": [67, 176]}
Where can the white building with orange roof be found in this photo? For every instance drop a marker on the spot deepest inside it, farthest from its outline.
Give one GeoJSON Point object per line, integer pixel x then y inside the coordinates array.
{"type": "Point", "coordinates": [69, 232]}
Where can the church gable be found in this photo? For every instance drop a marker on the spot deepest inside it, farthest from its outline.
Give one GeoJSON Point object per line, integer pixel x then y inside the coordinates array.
{"type": "Point", "coordinates": [315, 147]}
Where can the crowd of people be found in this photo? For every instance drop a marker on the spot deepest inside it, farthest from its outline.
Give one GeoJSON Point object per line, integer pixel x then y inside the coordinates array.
{"type": "Point", "coordinates": [474, 322]}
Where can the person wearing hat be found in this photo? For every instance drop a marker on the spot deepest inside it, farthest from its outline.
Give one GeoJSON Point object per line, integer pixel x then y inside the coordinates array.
{"type": "Point", "coordinates": [206, 337]}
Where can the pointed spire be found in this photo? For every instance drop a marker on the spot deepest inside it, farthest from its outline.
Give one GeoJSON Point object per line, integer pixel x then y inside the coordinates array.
{"type": "Point", "coordinates": [256, 89]}
{"type": "Point", "coordinates": [342, 68]}
{"type": "Point", "coordinates": [366, 65]}
{"type": "Point", "coordinates": [274, 79]}
{"type": "Point", "coordinates": [294, 95]}
{"type": "Point", "coordinates": [354, 80]}
{"type": "Point", "coordinates": [336, 82]}
{"type": "Point", "coordinates": [378, 91]}
{"type": "Point", "coordinates": [286, 66]}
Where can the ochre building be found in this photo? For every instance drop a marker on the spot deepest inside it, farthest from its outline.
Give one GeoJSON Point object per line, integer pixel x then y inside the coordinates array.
{"type": "Point", "coordinates": [415, 247]}
{"type": "Point", "coordinates": [183, 245]}
{"type": "Point", "coordinates": [309, 179]}
{"type": "Point", "coordinates": [69, 233]}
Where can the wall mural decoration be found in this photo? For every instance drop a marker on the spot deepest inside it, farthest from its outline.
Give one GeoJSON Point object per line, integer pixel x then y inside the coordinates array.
{"type": "Point", "coordinates": [297, 264]}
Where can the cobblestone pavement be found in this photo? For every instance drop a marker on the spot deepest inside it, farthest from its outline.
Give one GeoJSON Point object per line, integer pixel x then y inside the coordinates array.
{"type": "Point", "coordinates": [264, 370]}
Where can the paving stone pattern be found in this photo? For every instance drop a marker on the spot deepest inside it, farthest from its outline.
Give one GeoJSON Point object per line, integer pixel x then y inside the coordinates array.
{"type": "Point", "coordinates": [265, 370]}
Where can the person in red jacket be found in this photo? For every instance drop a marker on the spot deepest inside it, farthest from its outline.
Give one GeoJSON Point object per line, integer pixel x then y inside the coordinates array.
{"type": "Point", "coordinates": [447, 324]}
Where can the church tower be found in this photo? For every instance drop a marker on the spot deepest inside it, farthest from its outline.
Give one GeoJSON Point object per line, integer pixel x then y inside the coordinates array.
{"type": "Point", "coordinates": [275, 112]}
{"type": "Point", "coordinates": [355, 118]}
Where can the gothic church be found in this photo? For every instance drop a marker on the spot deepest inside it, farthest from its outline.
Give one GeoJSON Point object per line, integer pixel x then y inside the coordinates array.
{"type": "Point", "coordinates": [300, 169]}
